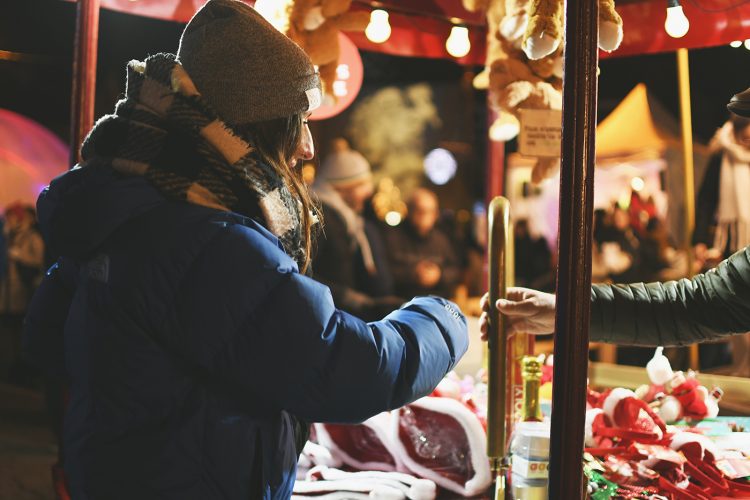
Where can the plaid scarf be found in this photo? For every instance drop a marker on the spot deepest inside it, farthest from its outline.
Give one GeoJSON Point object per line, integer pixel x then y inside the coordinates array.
{"type": "Point", "coordinates": [164, 131]}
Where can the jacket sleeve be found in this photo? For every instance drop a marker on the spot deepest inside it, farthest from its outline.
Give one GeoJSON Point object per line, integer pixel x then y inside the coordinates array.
{"type": "Point", "coordinates": [301, 354]}
{"type": "Point", "coordinates": [707, 307]}
{"type": "Point", "coordinates": [46, 316]}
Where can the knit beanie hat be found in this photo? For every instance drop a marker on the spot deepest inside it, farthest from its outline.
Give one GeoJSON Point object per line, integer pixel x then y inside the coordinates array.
{"type": "Point", "coordinates": [244, 67]}
{"type": "Point", "coordinates": [344, 166]}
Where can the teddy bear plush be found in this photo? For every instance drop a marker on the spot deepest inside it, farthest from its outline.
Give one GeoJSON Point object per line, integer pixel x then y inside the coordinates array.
{"type": "Point", "coordinates": [544, 30]}
{"type": "Point", "coordinates": [515, 82]}
{"type": "Point", "coordinates": [315, 26]}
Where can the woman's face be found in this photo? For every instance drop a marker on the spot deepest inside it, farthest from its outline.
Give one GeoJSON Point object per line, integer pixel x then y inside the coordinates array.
{"type": "Point", "coordinates": [306, 148]}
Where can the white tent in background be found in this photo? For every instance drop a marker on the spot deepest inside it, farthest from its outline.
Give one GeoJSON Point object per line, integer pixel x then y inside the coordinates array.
{"type": "Point", "coordinates": [30, 157]}
{"type": "Point", "coordinates": [638, 139]}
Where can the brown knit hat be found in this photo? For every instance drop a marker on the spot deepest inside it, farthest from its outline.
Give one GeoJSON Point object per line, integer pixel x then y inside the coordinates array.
{"type": "Point", "coordinates": [244, 67]}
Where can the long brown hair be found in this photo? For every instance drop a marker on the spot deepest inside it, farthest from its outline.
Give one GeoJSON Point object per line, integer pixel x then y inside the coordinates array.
{"type": "Point", "coordinates": [277, 142]}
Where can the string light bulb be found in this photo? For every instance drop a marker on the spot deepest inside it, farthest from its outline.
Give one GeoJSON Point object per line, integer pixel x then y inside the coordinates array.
{"type": "Point", "coordinates": [458, 44]}
{"type": "Point", "coordinates": [676, 24]}
{"type": "Point", "coordinates": [747, 44]}
{"type": "Point", "coordinates": [378, 30]}
{"type": "Point", "coordinates": [736, 44]}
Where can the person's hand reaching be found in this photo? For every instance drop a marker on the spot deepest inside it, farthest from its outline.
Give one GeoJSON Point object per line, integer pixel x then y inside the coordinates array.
{"type": "Point", "coordinates": [526, 310]}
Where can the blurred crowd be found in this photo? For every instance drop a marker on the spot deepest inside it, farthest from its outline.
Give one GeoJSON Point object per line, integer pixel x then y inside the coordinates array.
{"type": "Point", "coordinates": [22, 260]}
{"type": "Point", "coordinates": [372, 267]}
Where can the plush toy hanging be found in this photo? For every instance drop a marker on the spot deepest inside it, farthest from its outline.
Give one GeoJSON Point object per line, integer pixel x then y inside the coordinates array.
{"type": "Point", "coordinates": [513, 81]}
{"type": "Point", "coordinates": [544, 31]}
{"type": "Point", "coordinates": [523, 69]}
{"type": "Point", "coordinates": [315, 26]}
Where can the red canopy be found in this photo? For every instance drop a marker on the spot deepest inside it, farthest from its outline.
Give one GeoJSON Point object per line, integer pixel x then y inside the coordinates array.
{"type": "Point", "coordinates": [420, 27]}
{"type": "Point", "coordinates": [30, 157]}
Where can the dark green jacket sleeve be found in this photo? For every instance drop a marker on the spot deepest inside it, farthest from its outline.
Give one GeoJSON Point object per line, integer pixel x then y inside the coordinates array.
{"type": "Point", "coordinates": [707, 307]}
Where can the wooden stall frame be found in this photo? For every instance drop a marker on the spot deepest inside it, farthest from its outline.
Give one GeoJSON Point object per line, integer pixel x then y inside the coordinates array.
{"type": "Point", "coordinates": [84, 74]}
{"type": "Point", "coordinates": [574, 249]}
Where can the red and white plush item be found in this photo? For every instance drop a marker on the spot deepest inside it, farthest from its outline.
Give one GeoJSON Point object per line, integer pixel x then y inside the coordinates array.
{"type": "Point", "coordinates": [696, 402]}
{"type": "Point", "coordinates": [659, 369]}
{"type": "Point", "coordinates": [321, 479]}
{"type": "Point", "coordinates": [365, 446]}
{"type": "Point", "coordinates": [701, 454]}
{"type": "Point", "coordinates": [632, 419]}
{"type": "Point", "coordinates": [449, 387]}
{"type": "Point", "coordinates": [669, 409]}
{"type": "Point", "coordinates": [596, 420]}
{"type": "Point", "coordinates": [442, 440]}
{"type": "Point", "coordinates": [315, 454]}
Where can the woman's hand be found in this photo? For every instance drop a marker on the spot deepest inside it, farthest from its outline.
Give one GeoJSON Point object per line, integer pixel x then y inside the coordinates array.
{"type": "Point", "coordinates": [526, 310]}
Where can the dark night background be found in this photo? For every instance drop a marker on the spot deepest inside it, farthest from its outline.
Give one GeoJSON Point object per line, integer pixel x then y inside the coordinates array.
{"type": "Point", "coordinates": [39, 85]}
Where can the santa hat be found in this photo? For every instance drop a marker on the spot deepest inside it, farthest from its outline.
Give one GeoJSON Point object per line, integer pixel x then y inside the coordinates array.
{"type": "Point", "coordinates": [353, 452]}
{"type": "Point", "coordinates": [479, 477]}
{"type": "Point", "coordinates": [631, 417]}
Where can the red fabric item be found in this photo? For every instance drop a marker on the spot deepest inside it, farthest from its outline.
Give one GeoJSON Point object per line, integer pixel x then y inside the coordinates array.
{"type": "Point", "coordinates": [361, 443]}
{"type": "Point", "coordinates": [692, 402]}
{"type": "Point", "coordinates": [436, 441]}
{"type": "Point", "coordinates": [632, 419]}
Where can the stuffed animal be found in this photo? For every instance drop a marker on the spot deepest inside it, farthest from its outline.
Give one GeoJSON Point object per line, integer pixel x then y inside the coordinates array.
{"type": "Point", "coordinates": [514, 82]}
{"type": "Point", "coordinates": [677, 395]}
{"type": "Point", "coordinates": [315, 25]}
{"type": "Point", "coordinates": [544, 31]}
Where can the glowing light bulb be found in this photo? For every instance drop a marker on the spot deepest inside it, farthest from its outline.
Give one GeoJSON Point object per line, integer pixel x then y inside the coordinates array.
{"type": "Point", "coordinates": [676, 25]}
{"type": "Point", "coordinates": [747, 44]}
{"type": "Point", "coordinates": [440, 166]}
{"type": "Point", "coordinates": [393, 218]}
{"type": "Point", "coordinates": [637, 184]}
{"type": "Point", "coordinates": [378, 30]}
{"type": "Point", "coordinates": [736, 44]}
{"type": "Point", "coordinates": [458, 44]}
{"type": "Point", "coordinates": [505, 128]}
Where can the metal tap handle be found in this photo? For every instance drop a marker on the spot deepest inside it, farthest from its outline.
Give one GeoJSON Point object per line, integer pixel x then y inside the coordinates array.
{"type": "Point", "coordinates": [497, 340]}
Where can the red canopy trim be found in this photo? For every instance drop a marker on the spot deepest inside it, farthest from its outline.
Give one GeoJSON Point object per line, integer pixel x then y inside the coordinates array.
{"type": "Point", "coordinates": [712, 23]}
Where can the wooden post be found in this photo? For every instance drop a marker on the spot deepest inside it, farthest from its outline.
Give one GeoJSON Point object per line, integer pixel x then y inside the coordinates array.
{"type": "Point", "coordinates": [574, 267]}
{"type": "Point", "coordinates": [686, 122]}
{"type": "Point", "coordinates": [84, 75]}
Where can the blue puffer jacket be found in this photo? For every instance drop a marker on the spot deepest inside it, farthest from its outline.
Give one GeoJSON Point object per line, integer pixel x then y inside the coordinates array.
{"type": "Point", "coordinates": [188, 338]}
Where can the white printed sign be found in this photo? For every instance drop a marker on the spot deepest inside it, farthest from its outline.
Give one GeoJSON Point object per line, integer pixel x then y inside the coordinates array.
{"type": "Point", "coordinates": [541, 132]}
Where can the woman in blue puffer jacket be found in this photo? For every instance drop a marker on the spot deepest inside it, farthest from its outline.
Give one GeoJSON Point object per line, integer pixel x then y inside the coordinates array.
{"type": "Point", "coordinates": [179, 312]}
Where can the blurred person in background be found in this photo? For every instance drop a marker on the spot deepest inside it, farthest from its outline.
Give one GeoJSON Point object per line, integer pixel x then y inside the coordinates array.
{"type": "Point", "coordinates": [24, 268]}
{"type": "Point", "coordinates": [421, 256]}
{"type": "Point", "coordinates": [722, 219]}
{"type": "Point", "coordinates": [533, 259]}
{"type": "Point", "coordinates": [349, 256]}
{"type": "Point", "coordinates": [722, 215]}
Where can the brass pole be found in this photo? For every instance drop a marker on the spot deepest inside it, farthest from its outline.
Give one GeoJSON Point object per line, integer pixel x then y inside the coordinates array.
{"type": "Point", "coordinates": [500, 257]}
{"type": "Point", "coordinates": [84, 75]}
{"type": "Point", "coordinates": [572, 314]}
{"type": "Point", "coordinates": [686, 122]}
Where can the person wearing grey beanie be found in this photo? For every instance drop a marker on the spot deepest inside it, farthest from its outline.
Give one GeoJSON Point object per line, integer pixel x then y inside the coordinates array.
{"type": "Point", "coordinates": [180, 313]}
{"type": "Point", "coordinates": [350, 255]}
